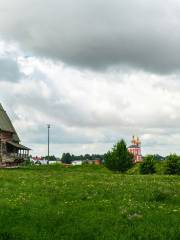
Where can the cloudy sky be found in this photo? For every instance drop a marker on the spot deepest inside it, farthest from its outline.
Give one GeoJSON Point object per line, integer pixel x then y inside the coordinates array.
{"type": "Point", "coordinates": [96, 70]}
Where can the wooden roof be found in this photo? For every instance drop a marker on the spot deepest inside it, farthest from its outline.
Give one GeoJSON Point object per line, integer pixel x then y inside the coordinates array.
{"type": "Point", "coordinates": [19, 146]}
{"type": "Point", "coordinates": [6, 125]}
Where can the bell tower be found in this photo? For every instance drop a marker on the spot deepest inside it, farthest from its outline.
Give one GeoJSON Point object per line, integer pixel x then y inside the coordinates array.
{"type": "Point", "coordinates": [135, 149]}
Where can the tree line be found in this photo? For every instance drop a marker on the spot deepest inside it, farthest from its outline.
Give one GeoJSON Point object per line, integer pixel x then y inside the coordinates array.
{"type": "Point", "coordinates": [69, 158]}
{"type": "Point", "coordinates": [119, 159]}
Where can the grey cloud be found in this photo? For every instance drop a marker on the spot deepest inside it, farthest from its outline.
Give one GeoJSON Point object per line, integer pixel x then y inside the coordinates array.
{"type": "Point", "coordinates": [9, 70]}
{"type": "Point", "coordinates": [65, 116]}
{"type": "Point", "coordinates": [97, 34]}
{"type": "Point", "coordinates": [87, 110]}
{"type": "Point", "coordinates": [58, 135]}
{"type": "Point", "coordinates": [69, 114]}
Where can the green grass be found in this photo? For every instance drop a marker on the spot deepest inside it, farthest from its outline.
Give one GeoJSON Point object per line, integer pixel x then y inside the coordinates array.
{"type": "Point", "coordinates": [159, 166]}
{"type": "Point", "coordinates": [88, 202]}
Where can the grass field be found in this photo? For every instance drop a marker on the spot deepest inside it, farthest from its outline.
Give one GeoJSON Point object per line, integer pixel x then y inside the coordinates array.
{"type": "Point", "coordinates": [52, 202]}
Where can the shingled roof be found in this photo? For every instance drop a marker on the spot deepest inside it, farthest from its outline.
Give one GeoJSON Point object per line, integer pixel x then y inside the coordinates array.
{"type": "Point", "coordinates": [6, 125]}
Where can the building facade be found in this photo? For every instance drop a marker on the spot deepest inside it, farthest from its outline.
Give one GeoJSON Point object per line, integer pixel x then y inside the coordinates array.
{"type": "Point", "coordinates": [11, 151]}
{"type": "Point", "coordinates": [135, 149]}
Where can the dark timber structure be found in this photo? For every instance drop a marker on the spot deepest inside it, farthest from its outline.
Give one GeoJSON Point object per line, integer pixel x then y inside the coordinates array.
{"type": "Point", "coordinates": [11, 151]}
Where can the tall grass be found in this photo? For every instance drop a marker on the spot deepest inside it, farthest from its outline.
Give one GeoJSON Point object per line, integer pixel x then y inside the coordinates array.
{"type": "Point", "coordinates": [87, 202]}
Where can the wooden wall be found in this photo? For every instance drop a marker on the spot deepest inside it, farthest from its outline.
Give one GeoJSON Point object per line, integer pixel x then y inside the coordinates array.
{"type": "Point", "coordinates": [5, 136]}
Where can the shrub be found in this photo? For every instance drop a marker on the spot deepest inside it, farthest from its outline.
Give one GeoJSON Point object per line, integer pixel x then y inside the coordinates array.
{"type": "Point", "coordinates": [172, 164]}
{"type": "Point", "coordinates": [26, 162]}
{"type": "Point", "coordinates": [160, 196]}
{"type": "Point", "coordinates": [119, 159]}
{"type": "Point", "coordinates": [148, 165]}
{"type": "Point", "coordinates": [66, 158]}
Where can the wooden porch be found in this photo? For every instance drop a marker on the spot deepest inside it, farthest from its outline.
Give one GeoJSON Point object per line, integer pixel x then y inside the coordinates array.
{"type": "Point", "coordinates": [12, 153]}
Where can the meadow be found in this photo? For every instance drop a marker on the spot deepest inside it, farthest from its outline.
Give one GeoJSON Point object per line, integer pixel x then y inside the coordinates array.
{"type": "Point", "coordinates": [87, 202]}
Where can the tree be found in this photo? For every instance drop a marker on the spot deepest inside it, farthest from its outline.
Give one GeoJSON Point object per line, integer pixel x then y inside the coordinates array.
{"type": "Point", "coordinates": [158, 158]}
{"type": "Point", "coordinates": [66, 158]}
{"type": "Point", "coordinates": [172, 164]}
{"type": "Point", "coordinates": [51, 158]}
{"type": "Point", "coordinates": [148, 165]}
{"type": "Point", "coordinates": [119, 159]}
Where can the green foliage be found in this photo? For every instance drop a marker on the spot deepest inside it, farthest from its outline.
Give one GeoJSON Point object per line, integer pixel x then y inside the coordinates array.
{"type": "Point", "coordinates": [86, 157]}
{"type": "Point", "coordinates": [51, 158]}
{"type": "Point", "coordinates": [134, 170]}
{"type": "Point", "coordinates": [160, 196]}
{"type": "Point", "coordinates": [148, 165]}
{"type": "Point", "coordinates": [66, 158]}
{"type": "Point", "coordinates": [27, 162]}
{"type": "Point", "coordinates": [158, 158]}
{"type": "Point", "coordinates": [160, 168]}
{"type": "Point", "coordinates": [87, 202]}
{"type": "Point", "coordinates": [119, 159]}
{"type": "Point", "coordinates": [172, 164]}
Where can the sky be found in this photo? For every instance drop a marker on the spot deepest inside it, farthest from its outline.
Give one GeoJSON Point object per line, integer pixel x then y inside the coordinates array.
{"type": "Point", "coordinates": [96, 70]}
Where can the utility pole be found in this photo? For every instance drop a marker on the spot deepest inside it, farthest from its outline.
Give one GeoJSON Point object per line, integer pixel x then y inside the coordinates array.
{"type": "Point", "coordinates": [48, 138]}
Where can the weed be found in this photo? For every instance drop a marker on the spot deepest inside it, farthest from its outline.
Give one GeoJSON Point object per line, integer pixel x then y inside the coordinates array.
{"type": "Point", "coordinates": [87, 202]}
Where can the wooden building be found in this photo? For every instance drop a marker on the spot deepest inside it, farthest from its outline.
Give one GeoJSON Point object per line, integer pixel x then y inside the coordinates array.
{"type": "Point", "coordinates": [11, 151]}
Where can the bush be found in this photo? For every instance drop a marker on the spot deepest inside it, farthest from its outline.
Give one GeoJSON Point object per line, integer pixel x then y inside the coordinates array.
{"type": "Point", "coordinates": [148, 165]}
{"type": "Point", "coordinates": [172, 164]}
{"type": "Point", "coordinates": [119, 159]}
{"type": "Point", "coordinates": [26, 162]}
{"type": "Point", "coordinates": [66, 158]}
{"type": "Point", "coordinates": [160, 196]}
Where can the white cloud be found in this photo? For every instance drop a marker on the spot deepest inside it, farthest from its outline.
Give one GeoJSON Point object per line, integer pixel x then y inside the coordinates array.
{"type": "Point", "coordinates": [89, 111]}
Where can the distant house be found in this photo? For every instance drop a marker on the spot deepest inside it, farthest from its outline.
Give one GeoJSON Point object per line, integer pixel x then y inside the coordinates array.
{"type": "Point", "coordinates": [39, 160]}
{"type": "Point", "coordinates": [11, 151]}
{"type": "Point", "coordinates": [97, 161]}
{"type": "Point", "coordinates": [135, 149]}
{"type": "Point", "coordinates": [77, 162]}
{"type": "Point", "coordinates": [43, 161]}
{"type": "Point", "coordinates": [94, 161]}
